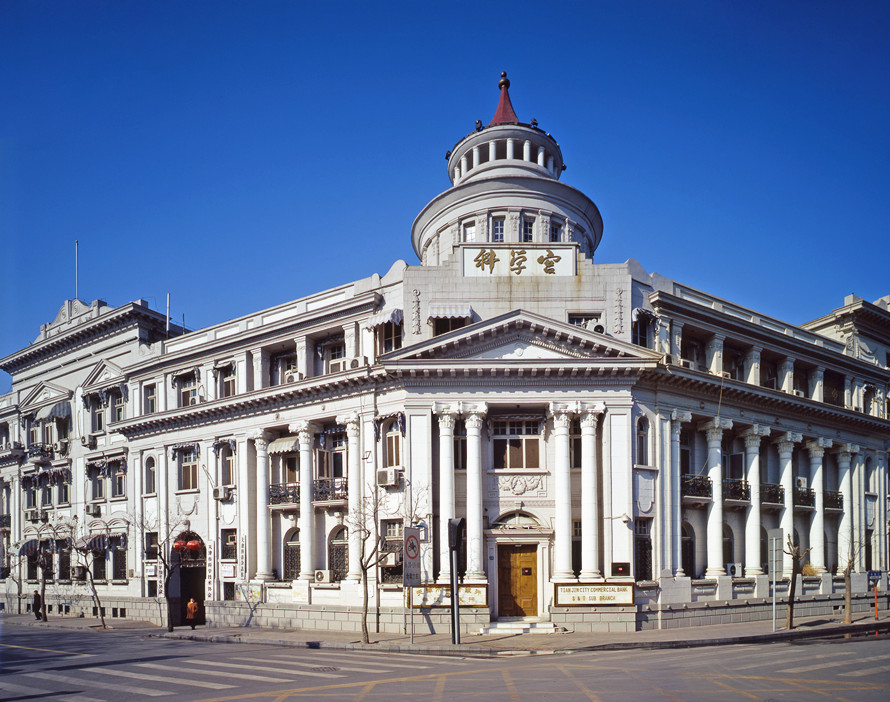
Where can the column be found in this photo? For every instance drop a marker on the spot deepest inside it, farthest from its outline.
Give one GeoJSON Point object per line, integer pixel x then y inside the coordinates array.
{"type": "Point", "coordinates": [817, 384]}
{"type": "Point", "coordinates": [263, 530]}
{"type": "Point", "coordinates": [526, 150]}
{"type": "Point", "coordinates": [354, 489]}
{"type": "Point", "coordinates": [714, 354]}
{"type": "Point", "coordinates": [857, 468]}
{"type": "Point", "coordinates": [589, 493]}
{"type": "Point", "coordinates": [677, 419]}
{"type": "Point", "coordinates": [786, 375]}
{"type": "Point", "coordinates": [304, 356]}
{"type": "Point", "coordinates": [242, 495]}
{"type": "Point", "coordinates": [307, 513]}
{"type": "Point", "coordinates": [473, 419]}
{"type": "Point", "coordinates": [541, 156]}
{"type": "Point", "coordinates": [241, 366]}
{"type": "Point", "coordinates": [817, 525]}
{"type": "Point", "coordinates": [492, 150]}
{"type": "Point", "coordinates": [785, 444]}
{"type": "Point", "coordinates": [752, 366]}
{"type": "Point", "coordinates": [562, 491]}
{"type": "Point", "coordinates": [511, 148]}
{"type": "Point", "coordinates": [260, 368]}
{"type": "Point", "coordinates": [753, 556]}
{"type": "Point", "coordinates": [676, 340]}
{"type": "Point", "coordinates": [475, 157]}
{"type": "Point", "coordinates": [714, 431]}
{"type": "Point", "coordinates": [447, 420]}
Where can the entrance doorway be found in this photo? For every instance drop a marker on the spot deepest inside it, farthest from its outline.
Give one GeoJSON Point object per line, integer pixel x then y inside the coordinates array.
{"type": "Point", "coordinates": [518, 580]}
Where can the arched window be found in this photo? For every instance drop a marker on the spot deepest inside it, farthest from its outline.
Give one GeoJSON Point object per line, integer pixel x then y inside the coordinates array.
{"type": "Point", "coordinates": [728, 545]}
{"type": "Point", "coordinates": [642, 442]}
{"type": "Point", "coordinates": [338, 553]}
{"type": "Point", "coordinates": [226, 465]}
{"type": "Point", "coordinates": [150, 486]}
{"type": "Point", "coordinates": [292, 556]}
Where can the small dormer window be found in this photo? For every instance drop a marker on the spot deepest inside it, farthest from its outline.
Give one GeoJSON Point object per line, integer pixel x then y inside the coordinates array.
{"type": "Point", "coordinates": [227, 381]}
{"type": "Point", "coordinates": [497, 229]}
{"type": "Point", "coordinates": [389, 336]}
{"type": "Point", "coordinates": [188, 390]}
{"type": "Point", "coordinates": [555, 233]}
{"type": "Point", "coordinates": [469, 231]}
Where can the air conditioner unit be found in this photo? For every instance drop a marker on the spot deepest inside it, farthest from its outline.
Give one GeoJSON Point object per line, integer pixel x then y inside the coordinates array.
{"type": "Point", "coordinates": [61, 445]}
{"type": "Point", "coordinates": [222, 493]}
{"type": "Point", "coordinates": [391, 559]}
{"type": "Point", "coordinates": [292, 376]}
{"type": "Point", "coordinates": [78, 572]}
{"type": "Point", "coordinates": [799, 393]}
{"type": "Point", "coordinates": [685, 363]}
{"type": "Point", "coordinates": [337, 365]}
{"type": "Point", "coordinates": [723, 374]}
{"type": "Point", "coordinates": [599, 329]}
{"type": "Point", "coordinates": [801, 483]}
{"type": "Point", "coordinates": [668, 359]}
{"type": "Point", "coordinates": [94, 510]}
{"type": "Point", "coordinates": [323, 576]}
{"type": "Point", "coordinates": [44, 515]}
{"type": "Point", "coordinates": [734, 570]}
{"type": "Point", "coordinates": [88, 441]}
{"type": "Point", "coordinates": [32, 515]}
{"type": "Point", "coordinates": [358, 362]}
{"type": "Point", "coordinates": [387, 477]}
{"type": "Point", "coordinates": [193, 401]}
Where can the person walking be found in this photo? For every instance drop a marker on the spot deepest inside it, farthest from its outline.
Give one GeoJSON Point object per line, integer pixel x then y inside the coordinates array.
{"type": "Point", "coordinates": [191, 612]}
{"type": "Point", "coordinates": [36, 606]}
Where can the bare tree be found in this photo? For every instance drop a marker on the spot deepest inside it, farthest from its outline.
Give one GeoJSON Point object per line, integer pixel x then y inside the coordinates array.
{"type": "Point", "coordinates": [365, 520]}
{"type": "Point", "coordinates": [15, 565]}
{"type": "Point", "coordinates": [797, 557]}
{"type": "Point", "coordinates": [855, 548]}
{"type": "Point", "coordinates": [85, 546]}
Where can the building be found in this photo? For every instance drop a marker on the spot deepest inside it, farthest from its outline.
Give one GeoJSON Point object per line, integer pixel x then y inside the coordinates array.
{"type": "Point", "coordinates": [619, 444]}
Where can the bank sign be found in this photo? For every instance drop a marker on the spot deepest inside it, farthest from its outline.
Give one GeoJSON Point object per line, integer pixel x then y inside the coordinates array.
{"type": "Point", "coordinates": [518, 261]}
{"type": "Point", "coordinates": [619, 594]}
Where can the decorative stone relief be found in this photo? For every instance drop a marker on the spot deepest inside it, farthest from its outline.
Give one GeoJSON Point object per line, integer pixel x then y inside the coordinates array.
{"type": "Point", "coordinates": [644, 491]}
{"type": "Point", "coordinates": [619, 311]}
{"type": "Point", "coordinates": [415, 311]}
{"type": "Point", "coordinates": [517, 485]}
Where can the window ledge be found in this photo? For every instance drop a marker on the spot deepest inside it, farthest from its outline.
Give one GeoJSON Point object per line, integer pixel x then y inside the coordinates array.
{"type": "Point", "coordinates": [122, 498]}
{"type": "Point", "coordinates": [192, 491]}
{"type": "Point", "coordinates": [519, 471]}
{"type": "Point", "coordinates": [326, 586]}
{"type": "Point", "coordinates": [119, 582]}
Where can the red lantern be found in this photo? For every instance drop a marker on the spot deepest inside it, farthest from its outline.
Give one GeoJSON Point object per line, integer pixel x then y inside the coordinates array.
{"type": "Point", "coordinates": [194, 545]}
{"type": "Point", "coordinates": [179, 545]}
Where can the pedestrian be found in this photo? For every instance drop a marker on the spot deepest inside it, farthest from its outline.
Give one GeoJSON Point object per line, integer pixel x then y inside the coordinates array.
{"type": "Point", "coordinates": [191, 612]}
{"type": "Point", "coordinates": [35, 607]}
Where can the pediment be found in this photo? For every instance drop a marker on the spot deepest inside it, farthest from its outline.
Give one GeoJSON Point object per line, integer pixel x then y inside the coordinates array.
{"type": "Point", "coordinates": [44, 394]}
{"type": "Point", "coordinates": [521, 336]}
{"type": "Point", "coordinates": [105, 373]}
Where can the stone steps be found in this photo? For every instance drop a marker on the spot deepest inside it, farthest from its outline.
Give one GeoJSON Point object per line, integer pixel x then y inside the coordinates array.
{"type": "Point", "coordinates": [521, 626]}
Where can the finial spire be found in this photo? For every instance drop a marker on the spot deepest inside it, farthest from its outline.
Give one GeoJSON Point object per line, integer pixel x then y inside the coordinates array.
{"type": "Point", "coordinates": [504, 114]}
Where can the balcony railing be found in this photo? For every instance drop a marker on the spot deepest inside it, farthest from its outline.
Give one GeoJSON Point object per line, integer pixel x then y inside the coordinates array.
{"type": "Point", "coordinates": [327, 489]}
{"type": "Point", "coordinates": [833, 500]}
{"type": "Point", "coordinates": [771, 493]}
{"type": "Point", "coordinates": [40, 451]}
{"type": "Point", "coordinates": [736, 490]}
{"type": "Point", "coordinates": [695, 486]}
{"type": "Point", "coordinates": [804, 497]}
{"type": "Point", "coordinates": [283, 494]}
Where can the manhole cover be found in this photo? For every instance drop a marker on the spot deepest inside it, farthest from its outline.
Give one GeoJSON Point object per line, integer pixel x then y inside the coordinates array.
{"type": "Point", "coordinates": [325, 669]}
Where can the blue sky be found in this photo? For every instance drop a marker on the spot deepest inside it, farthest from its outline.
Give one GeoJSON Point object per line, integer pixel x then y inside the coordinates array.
{"type": "Point", "coordinates": [240, 154]}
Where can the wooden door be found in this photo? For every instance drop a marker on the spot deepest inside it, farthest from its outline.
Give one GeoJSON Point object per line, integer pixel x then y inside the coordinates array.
{"type": "Point", "coordinates": [518, 580]}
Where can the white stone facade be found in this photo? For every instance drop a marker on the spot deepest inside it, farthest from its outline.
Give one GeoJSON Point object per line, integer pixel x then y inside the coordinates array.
{"type": "Point", "coordinates": [593, 423]}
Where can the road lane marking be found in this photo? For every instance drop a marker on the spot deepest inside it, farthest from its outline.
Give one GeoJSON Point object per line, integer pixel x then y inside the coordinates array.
{"type": "Point", "coordinates": [48, 650]}
{"type": "Point", "coordinates": [315, 665]}
{"type": "Point", "coordinates": [870, 671]}
{"type": "Point", "coordinates": [793, 659]}
{"type": "Point", "coordinates": [365, 658]}
{"type": "Point", "coordinates": [157, 678]}
{"type": "Point", "coordinates": [219, 673]}
{"type": "Point", "coordinates": [71, 680]}
{"type": "Point", "coordinates": [260, 667]}
{"type": "Point", "coordinates": [820, 666]}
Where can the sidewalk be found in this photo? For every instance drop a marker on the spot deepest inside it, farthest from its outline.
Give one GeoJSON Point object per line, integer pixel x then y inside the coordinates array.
{"type": "Point", "coordinates": [488, 645]}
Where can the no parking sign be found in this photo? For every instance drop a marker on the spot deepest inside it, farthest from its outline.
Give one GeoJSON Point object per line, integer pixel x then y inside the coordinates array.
{"type": "Point", "coordinates": [411, 558]}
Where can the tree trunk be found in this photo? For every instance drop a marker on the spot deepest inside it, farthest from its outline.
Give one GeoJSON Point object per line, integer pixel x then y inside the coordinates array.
{"type": "Point", "coordinates": [43, 593]}
{"type": "Point", "coordinates": [848, 599]}
{"type": "Point", "coordinates": [365, 637]}
{"type": "Point", "coordinates": [96, 597]}
{"type": "Point", "coordinates": [789, 620]}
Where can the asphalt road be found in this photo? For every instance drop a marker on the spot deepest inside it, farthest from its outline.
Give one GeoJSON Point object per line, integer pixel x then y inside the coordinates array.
{"type": "Point", "coordinates": [80, 666]}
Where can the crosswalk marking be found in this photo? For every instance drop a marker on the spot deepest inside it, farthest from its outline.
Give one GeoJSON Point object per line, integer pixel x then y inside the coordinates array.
{"type": "Point", "coordinates": [31, 691]}
{"type": "Point", "coordinates": [794, 659]}
{"type": "Point", "coordinates": [820, 666]}
{"type": "Point", "coordinates": [260, 667]}
{"type": "Point", "coordinates": [869, 671]}
{"type": "Point", "coordinates": [97, 683]}
{"type": "Point", "coordinates": [220, 673]}
{"type": "Point", "coordinates": [315, 665]}
{"type": "Point", "coordinates": [336, 657]}
{"type": "Point", "coordinates": [157, 678]}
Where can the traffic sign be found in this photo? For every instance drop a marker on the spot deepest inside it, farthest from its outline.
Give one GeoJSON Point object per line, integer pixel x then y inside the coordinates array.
{"type": "Point", "coordinates": [411, 558]}
{"type": "Point", "coordinates": [776, 550]}
{"type": "Point", "coordinates": [874, 577]}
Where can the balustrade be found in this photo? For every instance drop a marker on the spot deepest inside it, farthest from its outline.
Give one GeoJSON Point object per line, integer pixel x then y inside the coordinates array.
{"type": "Point", "coordinates": [695, 486]}
{"type": "Point", "coordinates": [773, 494]}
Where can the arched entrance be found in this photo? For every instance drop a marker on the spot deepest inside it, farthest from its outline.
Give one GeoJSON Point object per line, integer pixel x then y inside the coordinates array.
{"type": "Point", "coordinates": [517, 566]}
{"type": "Point", "coordinates": [188, 562]}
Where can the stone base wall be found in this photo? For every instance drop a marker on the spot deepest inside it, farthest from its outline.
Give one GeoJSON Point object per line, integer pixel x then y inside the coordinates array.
{"type": "Point", "coordinates": [599, 619]}
{"type": "Point", "coordinates": [142, 609]}
{"type": "Point", "coordinates": [339, 618]}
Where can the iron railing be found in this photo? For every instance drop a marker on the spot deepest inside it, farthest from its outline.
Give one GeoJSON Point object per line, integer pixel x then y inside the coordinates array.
{"type": "Point", "coordinates": [695, 486]}
{"type": "Point", "coordinates": [771, 493]}
{"type": "Point", "coordinates": [327, 489]}
{"type": "Point", "coordinates": [734, 489]}
{"type": "Point", "coordinates": [804, 497]}
{"type": "Point", "coordinates": [283, 494]}
{"type": "Point", "coordinates": [833, 500]}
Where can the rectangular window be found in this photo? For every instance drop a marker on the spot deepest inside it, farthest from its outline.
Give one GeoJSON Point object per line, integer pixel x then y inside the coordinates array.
{"type": "Point", "coordinates": [34, 435]}
{"type": "Point", "coordinates": [228, 539]}
{"type": "Point", "coordinates": [46, 496]}
{"type": "Point", "coordinates": [332, 459]}
{"type": "Point", "coordinates": [470, 231]}
{"type": "Point", "coordinates": [150, 476]}
{"type": "Point", "coordinates": [227, 382]}
{"type": "Point", "coordinates": [516, 444]}
{"type": "Point", "coordinates": [389, 337]}
{"type": "Point", "coordinates": [588, 320]}
{"type": "Point", "coordinates": [226, 466]}
{"type": "Point", "coordinates": [99, 565]}
{"type": "Point", "coordinates": [685, 452]}
{"type": "Point", "coordinates": [291, 468]}
{"type": "Point", "coordinates": [49, 433]}
{"type": "Point", "coordinates": [97, 416]}
{"type": "Point", "coordinates": [117, 407]}
{"type": "Point", "coordinates": [575, 444]}
{"type": "Point", "coordinates": [393, 448]}
{"type": "Point", "coordinates": [391, 565]}
{"type": "Point", "coordinates": [118, 482]}
{"type": "Point", "coordinates": [497, 229]}
{"type": "Point", "coordinates": [188, 390]}
{"type": "Point", "coordinates": [30, 497]}
{"type": "Point", "coordinates": [118, 559]}
{"type": "Point", "coordinates": [460, 445]}
{"type": "Point", "coordinates": [528, 230]}
{"type": "Point", "coordinates": [149, 399]}
{"type": "Point", "coordinates": [555, 233]}
{"type": "Point", "coordinates": [188, 469]}
{"type": "Point", "coordinates": [98, 487]}
{"type": "Point", "coordinates": [443, 325]}
{"type": "Point", "coordinates": [335, 356]}
{"type": "Point", "coordinates": [63, 492]}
